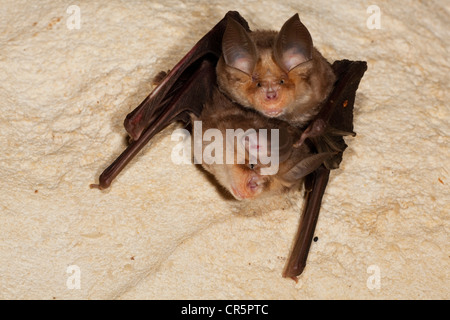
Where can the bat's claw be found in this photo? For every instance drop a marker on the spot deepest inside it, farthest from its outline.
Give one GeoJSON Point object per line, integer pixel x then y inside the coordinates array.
{"type": "Point", "coordinates": [337, 132]}
{"type": "Point", "coordinates": [95, 186]}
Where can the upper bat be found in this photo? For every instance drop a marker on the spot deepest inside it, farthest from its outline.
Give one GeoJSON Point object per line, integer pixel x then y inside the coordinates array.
{"type": "Point", "coordinates": [280, 74]}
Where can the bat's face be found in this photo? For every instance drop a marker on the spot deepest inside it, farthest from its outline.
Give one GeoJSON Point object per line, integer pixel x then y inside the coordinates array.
{"type": "Point", "coordinates": [279, 74]}
{"type": "Point", "coordinates": [234, 171]}
{"type": "Point", "coordinates": [246, 181]}
{"type": "Point", "coordinates": [242, 181]}
{"type": "Point", "coordinates": [269, 89]}
{"type": "Point", "coordinates": [235, 160]}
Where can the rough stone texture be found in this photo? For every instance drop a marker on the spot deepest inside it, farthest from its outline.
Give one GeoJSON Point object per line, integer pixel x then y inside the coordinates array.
{"type": "Point", "coordinates": [166, 231]}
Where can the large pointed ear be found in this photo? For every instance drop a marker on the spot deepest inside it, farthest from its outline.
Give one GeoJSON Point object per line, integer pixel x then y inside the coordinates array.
{"type": "Point", "coordinates": [306, 166]}
{"type": "Point", "coordinates": [293, 44]}
{"type": "Point", "coordinates": [238, 49]}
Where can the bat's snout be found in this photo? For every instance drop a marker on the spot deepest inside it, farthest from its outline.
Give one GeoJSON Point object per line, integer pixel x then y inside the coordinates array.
{"type": "Point", "coordinates": [248, 185]}
{"type": "Point", "coordinates": [271, 95]}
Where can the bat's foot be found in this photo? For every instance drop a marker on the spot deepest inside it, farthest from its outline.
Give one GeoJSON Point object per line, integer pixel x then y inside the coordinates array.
{"type": "Point", "coordinates": [315, 129]}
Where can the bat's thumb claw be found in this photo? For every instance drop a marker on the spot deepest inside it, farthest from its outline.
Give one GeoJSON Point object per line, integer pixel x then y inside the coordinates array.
{"type": "Point", "coordinates": [338, 132]}
{"type": "Point", "coordinates": [95, 186]}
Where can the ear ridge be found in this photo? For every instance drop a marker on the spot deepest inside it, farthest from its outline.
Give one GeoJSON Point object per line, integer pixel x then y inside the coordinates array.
{"type": "Point", "coordinates": [238, 49]}
{"type": "Point", "coordinates": [306, 166]}
{"type": "Point", "coordinates": [293, 44]}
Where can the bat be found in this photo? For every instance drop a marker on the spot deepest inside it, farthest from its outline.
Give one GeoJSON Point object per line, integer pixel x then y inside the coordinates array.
{"type": "Point", "coordinates": [280, 74]}
{"type": "Point", "coordinates": [184, 91]}
{"type": "Point", "coordinates": [277, 164]}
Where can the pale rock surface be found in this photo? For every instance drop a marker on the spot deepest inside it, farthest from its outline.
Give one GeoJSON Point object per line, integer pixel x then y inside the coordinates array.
{"type": "Point", "coordinates": [165, 231]}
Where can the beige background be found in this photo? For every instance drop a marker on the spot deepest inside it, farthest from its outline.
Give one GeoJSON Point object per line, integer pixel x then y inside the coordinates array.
{"type": "Point", "coordinates": [164, 231]}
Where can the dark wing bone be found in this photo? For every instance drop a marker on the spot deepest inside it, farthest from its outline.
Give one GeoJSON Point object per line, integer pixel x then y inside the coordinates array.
{"type": "Point", "coordinates": [325, 132]}
{"type": "Point", "coordinates": [184, 90]}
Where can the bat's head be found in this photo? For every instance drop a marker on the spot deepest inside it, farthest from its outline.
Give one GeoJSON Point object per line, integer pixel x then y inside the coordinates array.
{"type": "Point", "coordinates": [244, 162]}
{"type": "Point", "coordinates": [278, 74]}
{"type": "Point", "coordinates": [241, 181]}
{"type": "Point", "coordinates": [248, 181]}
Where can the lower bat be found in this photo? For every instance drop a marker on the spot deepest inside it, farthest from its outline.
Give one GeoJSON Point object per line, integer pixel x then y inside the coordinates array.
{"type": "Point", "coordinates": [252, 155]}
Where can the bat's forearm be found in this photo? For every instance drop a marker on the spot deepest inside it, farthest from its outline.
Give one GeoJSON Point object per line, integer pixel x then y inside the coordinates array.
{"type": "Point", "coordinates": [297, 260]}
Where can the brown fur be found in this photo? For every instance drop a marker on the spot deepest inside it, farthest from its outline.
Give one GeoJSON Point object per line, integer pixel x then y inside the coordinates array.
{"type": "Point", "coordinates": [242, 181]}
{"type": "Point", "coordinates": [300, 95]}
